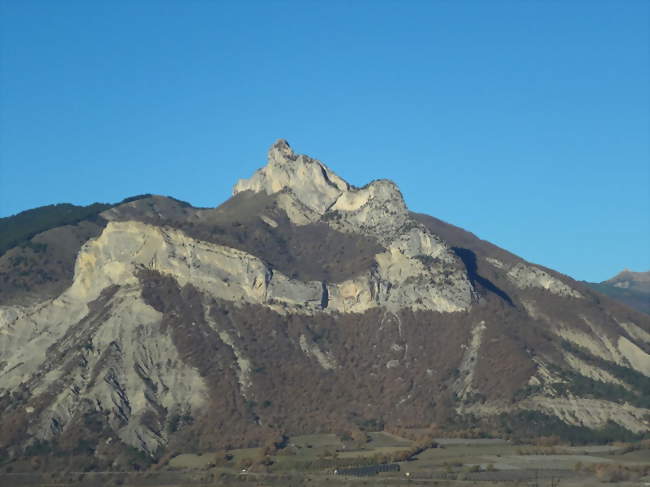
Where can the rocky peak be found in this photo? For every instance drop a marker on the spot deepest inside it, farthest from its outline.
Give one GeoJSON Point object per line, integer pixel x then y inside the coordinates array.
{"type": "Point", "coordinates": [311, 182]}
{"type": "Point", "coordinates": [281, 151]}
{"type": "Point", "coordinates": [309, 190]}
{"type": "Point", "coordinates": [377, 209]}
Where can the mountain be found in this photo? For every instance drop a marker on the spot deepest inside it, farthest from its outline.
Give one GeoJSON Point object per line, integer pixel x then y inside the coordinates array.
{"type": "Point", "coordinates": [302, 304]}
{"type": "Point", "coordinates": [630, 288]}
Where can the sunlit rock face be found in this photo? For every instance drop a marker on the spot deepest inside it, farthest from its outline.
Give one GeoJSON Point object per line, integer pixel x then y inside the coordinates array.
{"type": "Point", "coordinates": [309, 181]}
{"type": "Point", "coordinates": [524, 276]}
{"type": "Point", "coordinates": [169, 333]}
{"type": "Point", "coordinates": [310, 191]}
{"type": "Point", "coordinates": [403, 277]}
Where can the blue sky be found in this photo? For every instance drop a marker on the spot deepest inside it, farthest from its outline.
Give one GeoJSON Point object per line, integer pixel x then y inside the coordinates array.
{"type": "Point", "coordinates": [524, 122]}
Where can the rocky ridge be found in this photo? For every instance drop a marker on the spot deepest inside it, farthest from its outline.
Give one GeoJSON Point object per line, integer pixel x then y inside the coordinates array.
{"type": "Point", "coordinates": [376, 210]}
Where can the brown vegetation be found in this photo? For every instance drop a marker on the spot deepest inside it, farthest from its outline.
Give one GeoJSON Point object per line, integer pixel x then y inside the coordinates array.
{"type": "Point", "coordinates": [43, 267]}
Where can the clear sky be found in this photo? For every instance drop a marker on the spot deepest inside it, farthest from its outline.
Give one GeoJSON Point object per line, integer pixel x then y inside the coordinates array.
{"type": "Point", "coordinates": [525, 122]}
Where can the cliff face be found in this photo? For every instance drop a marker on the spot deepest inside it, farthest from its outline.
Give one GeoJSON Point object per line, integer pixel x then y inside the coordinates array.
{"type": "Point", "coordinates": [302, 304]}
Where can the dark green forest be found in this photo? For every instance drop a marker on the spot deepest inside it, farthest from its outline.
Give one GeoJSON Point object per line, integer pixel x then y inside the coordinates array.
{"type": "Point", "coordinates": [20, 228]}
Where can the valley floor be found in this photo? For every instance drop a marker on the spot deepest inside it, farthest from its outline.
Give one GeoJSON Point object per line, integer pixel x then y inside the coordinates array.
{"type": "Point", "coordinates": [455, 462]}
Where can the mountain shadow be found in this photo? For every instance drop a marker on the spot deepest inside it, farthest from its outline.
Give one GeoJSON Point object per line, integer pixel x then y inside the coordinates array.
{"type": "Point", "coordinates": [469, 259]}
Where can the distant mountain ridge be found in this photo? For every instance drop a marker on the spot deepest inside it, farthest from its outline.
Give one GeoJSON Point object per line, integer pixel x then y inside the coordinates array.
{"type": "Point", "coordinates": [631, 288]}
{"type": "Point", "coordinates": [301, 304]}
{"type": "Point", "coordinates": [631, 280]}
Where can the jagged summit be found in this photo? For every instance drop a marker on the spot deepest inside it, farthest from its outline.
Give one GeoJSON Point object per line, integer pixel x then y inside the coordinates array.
{"type": "Point", "coordinates": [281, 150]}
{"type": "Point", "coordinates": [311, 182]}
{"type": "Point", "coordinates": [311, 190]}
